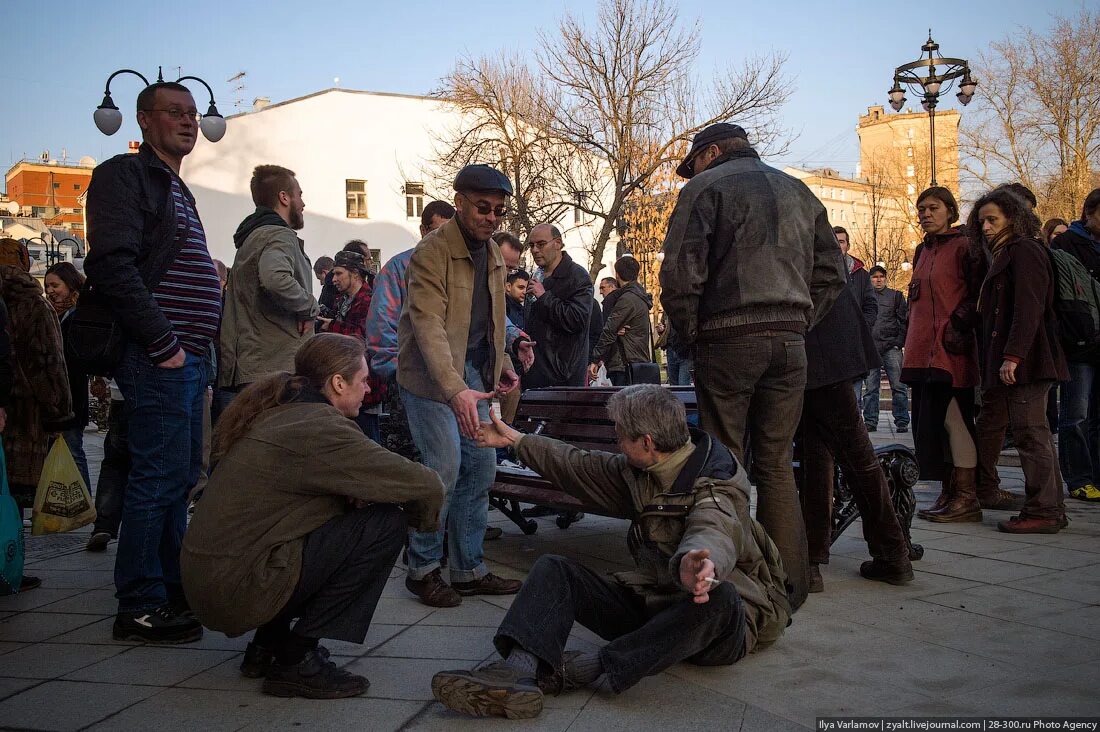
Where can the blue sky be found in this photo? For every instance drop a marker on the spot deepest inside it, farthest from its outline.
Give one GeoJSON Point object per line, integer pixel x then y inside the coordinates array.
{"type": "Point", "coordinates": [58, 54]}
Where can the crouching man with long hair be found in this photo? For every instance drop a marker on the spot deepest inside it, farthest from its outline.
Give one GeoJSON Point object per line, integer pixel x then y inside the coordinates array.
{"type": "Point", "coordinates": [303, 518]}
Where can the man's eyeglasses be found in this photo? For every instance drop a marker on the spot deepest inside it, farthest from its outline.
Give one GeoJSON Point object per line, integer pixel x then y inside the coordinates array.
{"type": "Point", "coordinates": [540, 244]}
{"type": "Point", "coordinates": [484, 207]}
{"type": "Point", "coordinates": [178, 113]}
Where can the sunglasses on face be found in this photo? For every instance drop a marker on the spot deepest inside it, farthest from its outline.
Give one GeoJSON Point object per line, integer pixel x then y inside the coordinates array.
{"type": "Point", "coordinates": [485, 208]}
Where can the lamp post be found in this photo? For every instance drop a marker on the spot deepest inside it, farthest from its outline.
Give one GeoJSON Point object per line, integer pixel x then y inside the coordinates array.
{"type": "Point", "coordinates": [108, 119]}
{"type": "Point", "coordinates": [931, 78]}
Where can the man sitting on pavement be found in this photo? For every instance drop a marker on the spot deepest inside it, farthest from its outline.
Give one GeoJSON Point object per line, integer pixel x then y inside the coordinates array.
{"type": "Point", "coordinates": [709, 585]}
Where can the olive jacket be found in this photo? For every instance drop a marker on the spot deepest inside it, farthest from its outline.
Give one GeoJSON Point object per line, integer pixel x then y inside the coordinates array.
{"type": "Point", "coordinates": [295, 469]}
{"type": "Point", "coordinates": [435, 316]}
{"type": "Point", "coordinates": [697, 498]}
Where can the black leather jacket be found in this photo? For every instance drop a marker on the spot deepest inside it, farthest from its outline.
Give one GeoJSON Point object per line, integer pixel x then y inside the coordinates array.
{"type": "Point", "coordinates": [558, 324]}
{"type": "Point", "coordinates": [132, 239]}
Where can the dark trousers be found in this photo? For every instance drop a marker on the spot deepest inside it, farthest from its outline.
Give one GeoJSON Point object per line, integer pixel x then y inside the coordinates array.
{"type": "Point", "coordinates": [617, 378]}
{"type": "Point", "coordinates": [1023, 409]}
{"type": "Point", "coordinates": [113, 471]}
{"type": "Point", "coordinates": [345, 565]}
{"type": "Point", "coordinates": [832, 428]}
{"type": "Point", "coordinates": [753, 385]}
{"type": "Point", "coordinates": [1079, 425]}
{"type": "Point", "coordinates": [368, 422]}
{"type": "Point", "coordinates": [559, 592]}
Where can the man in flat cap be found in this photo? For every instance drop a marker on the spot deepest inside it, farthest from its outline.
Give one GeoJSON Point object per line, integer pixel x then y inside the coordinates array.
{"type": "Point", "coordinates": [750, 265]}
{"type": "Point", "coordinates": [451, 360]}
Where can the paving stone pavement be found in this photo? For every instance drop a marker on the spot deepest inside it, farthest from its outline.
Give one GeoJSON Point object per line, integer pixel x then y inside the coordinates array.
{"type": "Point", "coordinates": [993, 625]}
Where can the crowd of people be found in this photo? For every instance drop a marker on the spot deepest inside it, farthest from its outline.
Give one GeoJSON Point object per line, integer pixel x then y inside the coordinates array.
{"type": "Point", "coordinates": [317, 438]}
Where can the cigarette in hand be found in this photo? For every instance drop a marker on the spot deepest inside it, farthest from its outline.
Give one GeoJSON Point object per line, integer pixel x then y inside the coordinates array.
{"type": "Point", "coordinates": [713, 581]}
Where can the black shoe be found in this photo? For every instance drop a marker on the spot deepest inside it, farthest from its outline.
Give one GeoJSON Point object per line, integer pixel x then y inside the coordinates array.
{"type": "Point", "coordinates": [902, 428]}
{"type": "Point", "coordinates": [29, 583]}
{"type": "Point", "coordinates": [900, 573]}
{"type": "Point", "coordinates": [180, 607]}
{"type": "Point", "coordinates": [258, 660]}
{"type": "Point", "coordinates": [433, 591]}
{"type": "Point", "coordinates": [490, 584]}
{"type": "Point", "coordinates": [872, 428]}
{"type": "Point", "coordinates": [98, 542]}
{"type": "Point", "coordinates": [156, 626]}
{"type": "Point", "coordinates": [314, 677]}
{"type": "Point", "coordinates": [492, 533]}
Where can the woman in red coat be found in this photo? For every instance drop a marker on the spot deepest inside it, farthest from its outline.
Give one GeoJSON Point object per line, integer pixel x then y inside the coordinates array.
{"type": "Point", "coordinates": [940, 363]}
{"type": "Point", "coordinates": [1020, 355]}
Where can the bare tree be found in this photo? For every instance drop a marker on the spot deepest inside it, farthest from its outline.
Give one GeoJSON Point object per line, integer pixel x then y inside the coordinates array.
{"type": "Point", "coordinates": [890, 230]}
{"type": "Point", "coordinates": [1039, 117]}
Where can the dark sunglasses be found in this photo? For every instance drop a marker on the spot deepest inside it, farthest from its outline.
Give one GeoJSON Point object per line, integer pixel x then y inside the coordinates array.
{"type": "Point", "coordinates": [485, 208]}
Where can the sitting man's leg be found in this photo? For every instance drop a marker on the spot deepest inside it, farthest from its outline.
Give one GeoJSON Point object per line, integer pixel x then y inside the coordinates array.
{"type": "Point", "coordinates": [345, 565]}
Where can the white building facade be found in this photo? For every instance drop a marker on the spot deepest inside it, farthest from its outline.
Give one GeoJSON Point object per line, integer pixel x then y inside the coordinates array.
{"type": "Point", "coordinates": [363, 160]}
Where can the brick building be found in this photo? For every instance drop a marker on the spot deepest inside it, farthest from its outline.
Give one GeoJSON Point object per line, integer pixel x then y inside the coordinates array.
{"type": "Point", "coordinates": [51, 190]}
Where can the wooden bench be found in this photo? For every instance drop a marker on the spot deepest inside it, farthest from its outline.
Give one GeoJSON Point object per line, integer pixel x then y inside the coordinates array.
{"type": "Point", "coordinates": [579, 417]}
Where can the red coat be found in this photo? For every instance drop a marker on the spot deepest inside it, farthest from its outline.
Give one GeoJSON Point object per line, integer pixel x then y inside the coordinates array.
{"type": "Point", "coordinates": [943, 295]}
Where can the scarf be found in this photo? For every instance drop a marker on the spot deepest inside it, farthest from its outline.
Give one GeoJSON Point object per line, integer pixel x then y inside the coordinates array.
{"type": "Point", "coordinates": [1079, 228]}
{"type": "Point", "coordinates": [62, 306]}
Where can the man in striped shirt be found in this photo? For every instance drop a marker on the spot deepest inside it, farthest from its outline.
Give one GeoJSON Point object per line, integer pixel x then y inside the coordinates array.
{"type": "Point", "coordinates": [149, 260]}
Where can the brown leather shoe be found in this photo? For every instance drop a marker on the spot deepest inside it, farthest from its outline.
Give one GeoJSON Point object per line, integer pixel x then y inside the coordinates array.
{"type": "Point", "coordinates": [895, 573]}
{"type": "Point", "coordinates": [999, 499]}
{"type": "Point", "coordinates": [817, 583]}
{"type": "Point", "coordinates": [1028, 525]}
{"type": "Point", "coordinates": [490, 584]}
{"type": "Point", "coordinates": [433, 591]}
{"type": "Point", "coordinates": [947, 492]}
{"type": "Point", "coordinates": [964, 506]}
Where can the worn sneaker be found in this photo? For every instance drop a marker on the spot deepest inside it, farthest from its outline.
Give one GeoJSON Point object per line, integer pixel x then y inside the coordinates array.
{"type": "Point", "coordinates": [490, 584]}
{"type": "Point", "coordinates": [259, 659]}
{"type": "Point", "coordinates": [900, 573]}
{"type": "Point", "coordinates": [433, 591]}
{"type": "Point", "coordinates": [314, 677]}
{"type": "Point", "coordinates": [98, 542]}
{"type": "Point", "coordinates": [156, 626]}
{"type": "Point", "coordinates": [1087, 492]}
{"type": "Point", "coordinates": [1027, 525]}
{"type": "Point", "coordinates": [495, 690]}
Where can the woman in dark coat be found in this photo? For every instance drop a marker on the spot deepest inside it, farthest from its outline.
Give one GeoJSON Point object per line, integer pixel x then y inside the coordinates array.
{"type": "Point", "coordinates": [1020, 355]}
{"type": "Point", "coordinates": [940, 363]}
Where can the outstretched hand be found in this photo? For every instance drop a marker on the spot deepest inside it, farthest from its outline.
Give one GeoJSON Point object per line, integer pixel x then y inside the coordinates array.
{"type": "Point", "coordinates": [496, 433]}
{"type": "Point", "coordinates": [464, 405]}
{"type": "Point", "coordinates": [696, 570]}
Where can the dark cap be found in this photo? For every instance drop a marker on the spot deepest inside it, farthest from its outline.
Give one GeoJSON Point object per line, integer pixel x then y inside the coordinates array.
{"type": "Point", "coordinates": [482, 178]}
{"type": "Point", "coordinates": [877, 268]}
{"type": "Point", "coordinates": [709, 136]}
{"type": "Point", "coordinates": [352, 260]}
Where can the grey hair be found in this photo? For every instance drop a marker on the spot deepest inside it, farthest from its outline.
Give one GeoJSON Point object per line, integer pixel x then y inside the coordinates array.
{"type": "Point", "coordinates": [649, 409]}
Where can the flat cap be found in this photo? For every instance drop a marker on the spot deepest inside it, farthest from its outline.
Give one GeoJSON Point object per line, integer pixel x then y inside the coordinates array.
{"type": "Point", "coordinates": [708, 136]}
{"type": "Point", "coordinates": [877, 268]}
{"type": "Point", "coordinates": [482, 178]}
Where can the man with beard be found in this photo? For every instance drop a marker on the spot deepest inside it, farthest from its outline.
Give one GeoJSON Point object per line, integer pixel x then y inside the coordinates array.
{"type": "Point", "coordinates": [269, 303]}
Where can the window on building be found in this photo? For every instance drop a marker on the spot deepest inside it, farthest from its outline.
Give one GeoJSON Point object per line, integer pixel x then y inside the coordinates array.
{"type": "Point", "coordinates": [909, 133]}
{"type": "Point", "coordinates": [911, 189]}
{"type": "Point", "coordinates": [38, 211]}
{"type": "Point", "coordinates": [376, 260]}
{"type": "Point", "coordinates": [414, 200]}
{"type": "Point", "coordinates": [56, 186]}
{"type": "Point", "coordinates": [578, 214]}
{"type": "Point", "coordinates": [77, 209]}
{"type": "Point", "coordinates": [357, 198]}
{"type": "Point", "coordinates": [909, 152]}
{"type": "Point", "coordinates": [843, 193]}
{"type": "Point", "coordinates": [909, 171]}
{"type": "Point", "coordinates": [76, 186]}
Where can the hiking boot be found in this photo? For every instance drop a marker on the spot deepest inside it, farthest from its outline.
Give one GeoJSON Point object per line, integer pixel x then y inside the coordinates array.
{"type": "Point", "coordinates": [947, 491]}
{"type": "Point", "coordinates": [98, 542]}
{"type": "Point", "coordinates": [999, 499]}
{"type": "Point", "coordinates": [893, 573]}
{"type": "Point", "coordinates": [1027, 525]}
{"type": "Point", "coordinates": [433, 591]}
{"type": "Point", "coordinates": [314, 677]}
{"type": "Point", "coordinates": [495, 690]}
{"type": "Point", "coordinates": [490, 584]}
{"type": "Point", "coordinates": [258, 660]}
{"type": "Point", "coordinates": [817, 583]}
{"type": "Point", "coordinates": [160, 625]}
{"type": "Point", "coordinates": [963, 506]}
{"type": "Point", "coordinates": [1087, 492]}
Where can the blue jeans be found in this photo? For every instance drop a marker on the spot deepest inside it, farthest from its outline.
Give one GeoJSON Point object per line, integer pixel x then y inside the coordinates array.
{"type": "Point", "coordinates": [164, 414]}
{"type": "Point", "coordinates": [467, 471]}
{"type": "Point", "coordinates": [1079, 426]}
{"type": "Point", "coordinates": [679, 369]}
{"type": "Point", "coordinates": [74, 440]}
{"type": "Point", "coordinates": [899, 393]}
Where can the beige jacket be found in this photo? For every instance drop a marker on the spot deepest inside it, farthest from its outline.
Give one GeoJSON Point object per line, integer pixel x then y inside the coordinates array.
{"type": "Point", "coordinates": [435, 317]}
{"type": "Point", "coordinates": [294, 470]}
{"type": "Point", "coordinates": [270, 291]}
{"type": "Point", "coordinates": [674, 514]}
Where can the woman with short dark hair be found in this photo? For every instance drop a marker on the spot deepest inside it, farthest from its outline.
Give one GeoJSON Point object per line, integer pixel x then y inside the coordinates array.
{"type": "Point", "coordinates": [940, 363]}
{"type": "Point", "coordinates": [303, 518]}
{"type": "Point", "coordinates": [1020, 355]}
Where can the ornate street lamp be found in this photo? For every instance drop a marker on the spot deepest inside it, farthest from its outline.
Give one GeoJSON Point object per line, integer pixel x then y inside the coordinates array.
{"type": "Point", "coordinates": [931, 78]}
{"type": "Point", "coordinates": [108, 119]}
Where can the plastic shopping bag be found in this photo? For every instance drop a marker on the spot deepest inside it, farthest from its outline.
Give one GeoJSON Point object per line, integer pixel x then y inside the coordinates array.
{"type": "Point", "coordinates": [62, 502]}
{"type": "Point", "coordinates": [11, 536]}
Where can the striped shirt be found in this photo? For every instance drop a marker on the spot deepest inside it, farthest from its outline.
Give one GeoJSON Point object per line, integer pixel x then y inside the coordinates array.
{"type": "Point", "coordinates": [190, 293]}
